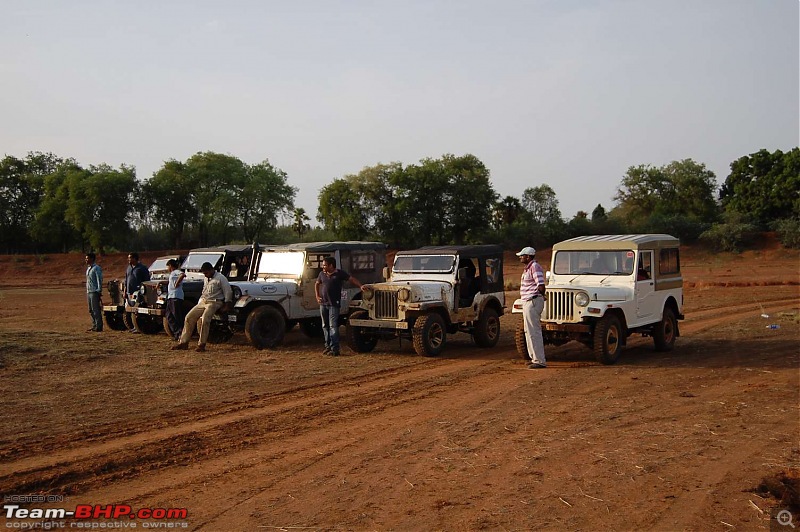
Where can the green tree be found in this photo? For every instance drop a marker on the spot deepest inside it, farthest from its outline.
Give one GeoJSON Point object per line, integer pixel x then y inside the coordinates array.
{"type": "Point", "coordinates": [264, 196]}
{"type": "Point", "coordinates": [341, 212]}
{"type": "Point", "coordinates": [541, 205]}
{"type": "Point", "coordinates": [215, 179]}
{"type": "Point", "coordinates": [170, 199]}
{"type": "Point", "coordinates": [98, 204]}
{"type": "Point", "coordinates": [506, 212]}
{"type": "Point", "coordinates": [300, 226]}
{"type": "Point", "coordinates": [50, 226]}
{"type": "Point", "coordinates": [469, 196]}
{"type": "Point", "coordinates": [764, 186]}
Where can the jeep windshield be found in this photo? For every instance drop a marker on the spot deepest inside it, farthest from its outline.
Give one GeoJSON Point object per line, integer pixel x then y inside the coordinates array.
{"type": "Point", "coordinates": [617, 262]}
{"type": "Point", "coordinates": [424, 264]}
{"type": "Point", "coordinates": [281, 264]}
{"type": "Point", "coordinates": [159, 265]}
{"type": "Point", "coordinates": [195, 260]}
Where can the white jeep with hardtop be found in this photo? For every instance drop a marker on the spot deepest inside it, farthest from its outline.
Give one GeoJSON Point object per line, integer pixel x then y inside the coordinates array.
{"type": "Point", "coordinates": [602, 289]}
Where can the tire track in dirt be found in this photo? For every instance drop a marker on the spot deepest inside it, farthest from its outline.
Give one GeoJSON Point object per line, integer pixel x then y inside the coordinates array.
{"type": "Point", "coordinates": [230, 429]}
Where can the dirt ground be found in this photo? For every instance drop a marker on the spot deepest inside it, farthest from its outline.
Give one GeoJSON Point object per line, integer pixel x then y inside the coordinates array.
{"type": "Point", "coordinates": [706, 437]}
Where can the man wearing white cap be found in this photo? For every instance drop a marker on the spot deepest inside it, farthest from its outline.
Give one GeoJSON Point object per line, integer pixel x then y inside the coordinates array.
{"type": "Point", "coordinates": [531, 291]}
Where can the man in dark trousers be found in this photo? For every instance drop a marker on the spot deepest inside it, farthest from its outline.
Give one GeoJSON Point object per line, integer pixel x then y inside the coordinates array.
{"type": "Point", "coordinates": [329, 296]}
{"type": "Point", "coordinates": [94, 289]}
{"type": "Point", "coordinates": [135, 275]}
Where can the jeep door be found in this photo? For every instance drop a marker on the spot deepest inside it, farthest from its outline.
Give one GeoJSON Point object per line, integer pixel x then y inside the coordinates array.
{"type": "Point", "coordinates": [648, 306]}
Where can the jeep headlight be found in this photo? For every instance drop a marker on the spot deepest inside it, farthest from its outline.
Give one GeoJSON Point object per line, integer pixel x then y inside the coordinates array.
{"type": "Point", "coordinates": [581, 299]}
{"type": "Point", "coordinates": [237, 292]}
{"type": "Point", "coordinates": [404, 294]}
{"type": "Point", "coordinates": [367, 293]}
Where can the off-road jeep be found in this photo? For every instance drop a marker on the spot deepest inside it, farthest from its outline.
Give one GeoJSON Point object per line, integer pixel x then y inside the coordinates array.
{"type": "Point", "coordinates": [232, 261]}
{"type": "Point", "coordinates": [280, 291]}
{"type": "Point", "coordinates": [433, 291]}
{"type": "Point", "coordinates": [602, 289]}
{"type": "Point", "coordinates": [116, 316]}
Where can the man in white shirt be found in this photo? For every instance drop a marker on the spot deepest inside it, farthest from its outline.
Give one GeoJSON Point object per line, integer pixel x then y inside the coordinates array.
{"type": "Point", "coordinates": [216, 294]}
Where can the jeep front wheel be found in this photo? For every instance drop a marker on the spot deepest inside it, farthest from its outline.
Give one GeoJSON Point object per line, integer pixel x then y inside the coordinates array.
{"type": "Point", "coordinates": [356, 339]}
{"type": "Point", "coordinates": [146, 324]}
{"type": "Point", "coordinates": [487, 330]}
{"type": "Point", "coordinates": [607, 339]}
{"type": "Point", "coordinates": [429, 335]}
{"type": "Point", "coordinates": [664, 332]}
{"type": "Point", "coordinates": [520, 340]}
{"type": "Point", "coordinates": [114, 321]}
{"type": "Point", "coordinates": [265, 327]}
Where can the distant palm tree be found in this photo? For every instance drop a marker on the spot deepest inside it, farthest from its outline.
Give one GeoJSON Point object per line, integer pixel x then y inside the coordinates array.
{"type": "Point", "coordinates": [300, 226]}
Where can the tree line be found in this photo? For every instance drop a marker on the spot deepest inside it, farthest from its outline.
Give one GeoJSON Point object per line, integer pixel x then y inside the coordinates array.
{"type": "Point", "coordinates": [54, 204]}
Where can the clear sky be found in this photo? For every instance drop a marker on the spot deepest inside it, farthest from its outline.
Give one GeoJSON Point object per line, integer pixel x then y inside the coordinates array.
{"type": "Point", "coordinates": [564, 92]}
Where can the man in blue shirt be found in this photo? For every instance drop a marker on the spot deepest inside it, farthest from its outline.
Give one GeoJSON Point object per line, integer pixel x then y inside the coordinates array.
{"type": "Point", "coordinates": [175, 311]}
{"type": "Point", "coordinates": [135, 275]}
{"type": "Point", "coordinates": [94, 289]}
{"type": "Point", "coordinates": [329, 295]}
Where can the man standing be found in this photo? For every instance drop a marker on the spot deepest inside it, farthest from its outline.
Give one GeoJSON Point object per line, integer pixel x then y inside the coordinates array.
{"type": "Point", "coordinates": [216, 294]}
{"type": "Point", "coordinates": [174, 310]}
{"type": "Point", "coordinates": [135, 275]}
{"type": "Point", "coordinates": [94, 290]}
{"type": "Point", "coordinates": [329, 295]}
{"type": "Point", "coordinates": [531, 291]}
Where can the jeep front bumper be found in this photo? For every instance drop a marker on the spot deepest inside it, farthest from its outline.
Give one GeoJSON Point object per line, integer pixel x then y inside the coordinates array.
{"type": "Point", "coordinates": [376, 324]}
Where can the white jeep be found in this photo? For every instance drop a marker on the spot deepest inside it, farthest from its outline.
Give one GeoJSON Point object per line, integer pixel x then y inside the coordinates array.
{"type": "Point", "coordinates": [433, 291]}
{"type": "Point", "coordinates": [279, 292]}
{"type": "Point", "coordinates": [601, 289]}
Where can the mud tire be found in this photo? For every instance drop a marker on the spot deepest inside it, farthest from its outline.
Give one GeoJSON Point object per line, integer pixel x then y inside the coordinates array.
{"type": "Point", "coordinates": [487, 329]}
{"type": "Point", "coordinates": [521, 342]}
{"type": "Point", "coordinates": [607, 340]}
{"type": "Point", "coordinates": [356, 339]}
{"type": "Point", "coordinates": [665, 331]}
{"type": "Point", "coordinates": [146, 324]}
{"type": "Point", "coordinates": [265, 327]}
{"type": "Point", "coordinates": [429, 335]}
{"type": "Point", "coordinates": [114, 321]}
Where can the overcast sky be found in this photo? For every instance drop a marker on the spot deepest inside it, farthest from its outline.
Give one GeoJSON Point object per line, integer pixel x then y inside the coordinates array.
{"type": "Point", "coordinates": [564, 92]}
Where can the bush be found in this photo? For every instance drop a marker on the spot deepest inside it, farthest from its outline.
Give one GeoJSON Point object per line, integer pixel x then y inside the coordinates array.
{"type": "Point", "coordinates": [788, 231]}
{"type": "Point", "coordinates": [731, 236]}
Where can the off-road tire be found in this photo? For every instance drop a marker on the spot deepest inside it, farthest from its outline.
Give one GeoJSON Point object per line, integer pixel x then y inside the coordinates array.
{"type": "Point", "coordinates": [114, 321]}
{"type": "Point", "coordinates": [607, 339]}
{"type": "Point", "coordinates": [487, 328]}
{"type": "Point", "coordinates": [521, 342]}
{"type": "Point", "coordinates": [665, 331]}
{"type": "Point", "coordinates": [356, 339]}
{"type": "Point", "coordinates": [265, 327]}
{"type": "Point", "coordinates": [429, 335]}
{"type": "Point", "coordinates": [146, 324]}
{"type": "Point", "coordinates": [312, 327]}
{"type": "Point", "coordinates": [127, 319]}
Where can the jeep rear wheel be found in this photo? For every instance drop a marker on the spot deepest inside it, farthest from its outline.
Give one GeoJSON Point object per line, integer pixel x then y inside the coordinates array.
{"type": "Point", "coordinates": [487, 330]}
{"type": "Point", "coordinates": [312, 327]}
{"type": "Point", "coordinates": [265, 327]}
{"type": "Point", "coordinates": [429, 335]}
{"type": "Point", "coordinates": [146, 324]}
{"type": "Point", "coordinates": [607, 339]}
{"type": "Point", "coordinates": [521, 342]}
{"type": "Point", "coordinates": [114, 321]}
{"type": "Point", "coordinates": [357, 340]}
{"type": "Point", "coordinates": [665, 331]}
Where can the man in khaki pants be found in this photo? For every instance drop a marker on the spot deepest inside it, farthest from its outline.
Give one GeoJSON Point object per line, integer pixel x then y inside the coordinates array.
{"type": "Point", "coordinates": [216, 293]}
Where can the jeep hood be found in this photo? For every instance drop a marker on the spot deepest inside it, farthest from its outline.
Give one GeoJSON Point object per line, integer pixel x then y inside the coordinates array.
{"type": "Point", "coordinates": [420, 291]}
{"type": "Point", "coordinates": [267, 289]}
{"type": "Point", "coordinates": [597, 292]}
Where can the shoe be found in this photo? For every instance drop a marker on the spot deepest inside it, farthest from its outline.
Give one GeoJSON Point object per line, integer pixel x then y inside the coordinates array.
{"type": "Point", "coordinates": [534, 365]}
{"type": "Point", "coordinates": [326, 351]}
{"type": "Point", "coordinates": [134, 331]}
{"type": "Point", "coordinates": [200, 348]}
{"type": "Point", "coordinates": [91, 330]}
{"type": "Point", "coordinates": [180, 347]}
{"type": "Point", "coordinates": [334, 352]}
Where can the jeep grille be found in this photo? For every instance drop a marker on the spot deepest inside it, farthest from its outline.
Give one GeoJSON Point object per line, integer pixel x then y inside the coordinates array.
{"type": "Point", "coordinates": [560, 306]}
{"type": "Point", "coordinates": [385, 305]}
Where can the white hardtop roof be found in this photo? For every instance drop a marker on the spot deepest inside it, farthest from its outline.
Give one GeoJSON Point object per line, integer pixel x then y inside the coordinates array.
{"type": "Point", "coordinates": [618, 241]}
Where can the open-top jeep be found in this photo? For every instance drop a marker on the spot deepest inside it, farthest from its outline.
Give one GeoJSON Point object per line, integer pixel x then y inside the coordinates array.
{"type": "Point", "coordinates": [280, 290]}
{"type": "Point", "coordinates": [148, 310]}
{"type": "Point", "coordinates": [116, 316]}
{"type": "Point", "coordinates": [433, 291]}
{"type": "Point", "coordinates": [602, 289]}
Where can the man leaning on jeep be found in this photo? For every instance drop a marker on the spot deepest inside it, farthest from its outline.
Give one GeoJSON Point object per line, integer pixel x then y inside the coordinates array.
{"type": "Point", "coordinates": [216, 294]}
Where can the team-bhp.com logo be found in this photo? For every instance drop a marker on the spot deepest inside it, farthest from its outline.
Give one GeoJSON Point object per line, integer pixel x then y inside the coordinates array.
{"type": "Point", "coordinates": [84, 512]}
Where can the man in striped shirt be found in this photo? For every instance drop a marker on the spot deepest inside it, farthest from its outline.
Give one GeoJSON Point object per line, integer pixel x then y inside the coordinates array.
{"type": "Point", "coordinates": [531, 291]}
